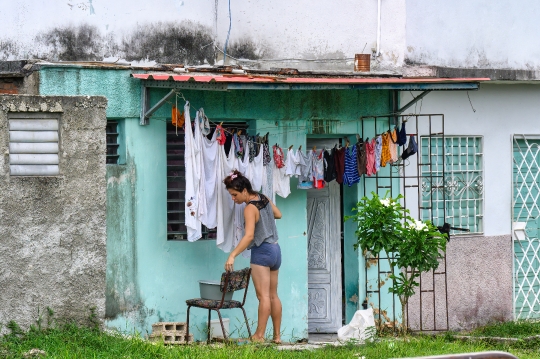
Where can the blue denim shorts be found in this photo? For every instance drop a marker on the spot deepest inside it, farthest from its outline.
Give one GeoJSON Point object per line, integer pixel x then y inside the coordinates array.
{"type": "Point", "coordinates": [267, 255]}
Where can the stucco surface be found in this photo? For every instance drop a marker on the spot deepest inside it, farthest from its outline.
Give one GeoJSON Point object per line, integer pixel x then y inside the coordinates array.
{"type": "Point", "coordinates": [479, 286]}
{"type": "Point", "coordinates": [53, 229]}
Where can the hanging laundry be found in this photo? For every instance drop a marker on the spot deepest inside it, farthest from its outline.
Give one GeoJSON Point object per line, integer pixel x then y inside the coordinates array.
{"type": "Point", "coordinates": [221, 138]}
{"type": "Point", "coordinates": [361, 157]}
{"type": "Point", "coordinates": [386, 156]}
{"type": "Point", "coordinates": [278, 156]}
{"type": "Point", "coordinates": [225, 214]}
{"type": "Point", "coordinates": [251, 149]}
{"type": "Point", "coordinates": [204, 124]}
{"type": "Point", "coordinates": [350, 174]}
{"type": "Point", "coordinates": [209, 182]}
{"type": "Point", "coordinates": [378, 152]}
{"type": "Point", "coordinates": [292, 163]}
{"type": "Point", "coordinates": [256, 169]}
{"type": "Point", "coordinates": [339, 160]}
{"type": "Point", "coordinates": [411, 149]}
{"type": "Point", "coordinates": [330, 173]}
{"type": "Point", "coordinates": [305, 180]}
{"type": "Point", "coordinates": [192, 173]}
{"type": "Point", "coordinates": [402, 135]}
{"type": "Point", "coordinates": [266, 154]}
{"type": "Point", "coordinates": [238, 145]}
{"type": "Point", "coordinates": [318, 169]}
{"type": "Point", "coordinates": [228, 142]}
{"type": "Point", "coordinates": [370, 158]}
{"type": "Point", "coordinates": [268, 179]}
{"type": "Point", "coordinates": [177, 117]}
{"type": "Point", "coordinates": [282, 182]}
{"type": "Point", "coordinates": [393, 146]}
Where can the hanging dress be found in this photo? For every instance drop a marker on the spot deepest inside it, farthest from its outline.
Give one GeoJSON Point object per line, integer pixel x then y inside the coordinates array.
{"type": "Point", "coordinates": [361, 157]}
{"type": "Point", "coordinates": [193, 175]}
{"type": "Point", "coordinates": [257, 170]}
{"type": "Point", "coordinates": [305, 180]}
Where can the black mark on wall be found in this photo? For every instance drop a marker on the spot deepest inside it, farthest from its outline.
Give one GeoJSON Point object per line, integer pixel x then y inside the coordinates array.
{"type": "Point", "coordinates": [187, 43]}
{"type": "Point", "coordinates": [246, 48]}
{"type": "Point", "coordinates": [72, 43]}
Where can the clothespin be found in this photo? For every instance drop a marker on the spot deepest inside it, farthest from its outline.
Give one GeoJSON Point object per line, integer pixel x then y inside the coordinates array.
{"type": "Point", "coordinates": [347, 142]}
{"type": "Point", "coordinates": [221, 123]}
{"type": "Point", "coordinates": [290, 147]}
{"type": "Point", "coordinates": [314, 148]}
{"type": "Point", "coordinates": [239, 132]}
{"type": "Point", "coordinates": [300, 148]}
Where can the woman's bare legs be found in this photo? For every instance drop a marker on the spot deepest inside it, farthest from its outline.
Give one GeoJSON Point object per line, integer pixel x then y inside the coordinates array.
{"type": "Point", "coordinates": [275, 305]}
{"type": "Point", "coordinates": [265, 282]}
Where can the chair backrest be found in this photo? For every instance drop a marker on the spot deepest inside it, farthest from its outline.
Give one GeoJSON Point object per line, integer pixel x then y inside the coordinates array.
{"type": "Point", "coordinates": [236, 280]}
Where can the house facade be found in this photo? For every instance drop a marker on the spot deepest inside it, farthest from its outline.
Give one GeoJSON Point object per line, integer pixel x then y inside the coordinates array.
{"type": "Point", "coordinates": [475, 167]}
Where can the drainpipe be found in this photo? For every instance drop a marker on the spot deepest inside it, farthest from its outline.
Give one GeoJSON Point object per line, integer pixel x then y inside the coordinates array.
{"type": "Point", "coordinates": [378, 27]}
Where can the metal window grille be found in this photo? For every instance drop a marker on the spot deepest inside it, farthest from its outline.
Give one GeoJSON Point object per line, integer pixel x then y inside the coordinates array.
{"type": "Point", "coordinates": [176, 184]}
{"type": "Point", "coordinates": [460, 160]}
{"type": "Point", "coordinates": [112, 142]}
{"type": "Point", "coordinates": [33, 144]}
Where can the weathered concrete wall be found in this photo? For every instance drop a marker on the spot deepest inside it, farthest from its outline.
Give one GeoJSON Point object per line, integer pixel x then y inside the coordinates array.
{"type": "Point", "coordinates": [53, 229]}
{"type": "Point", "coordinates": [476, 34]}
{"type": "Point", "coordinates": [479, 286]}
{"type": "Point", "coordinates": [297, 34]}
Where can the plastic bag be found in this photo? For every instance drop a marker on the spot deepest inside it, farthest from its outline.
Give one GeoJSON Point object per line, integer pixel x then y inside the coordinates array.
{"type": "Point", "coordinates": [361, 327]}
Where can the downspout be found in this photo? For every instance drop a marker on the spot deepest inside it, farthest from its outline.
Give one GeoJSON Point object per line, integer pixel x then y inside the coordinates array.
{"type": "Point", "coordinates": [378, 27]}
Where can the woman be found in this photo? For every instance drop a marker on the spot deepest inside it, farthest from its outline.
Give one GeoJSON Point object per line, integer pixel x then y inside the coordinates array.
{"type": "Point", "coordinates": [261, 237]}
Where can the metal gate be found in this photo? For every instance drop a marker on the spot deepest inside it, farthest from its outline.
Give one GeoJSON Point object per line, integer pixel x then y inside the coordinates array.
{"type": "Point", "coordinates": [421, 180]}
{"type": "Point", "coordinates": [526, 226]}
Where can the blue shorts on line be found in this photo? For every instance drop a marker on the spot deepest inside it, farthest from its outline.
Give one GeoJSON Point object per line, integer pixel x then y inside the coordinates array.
{"type": "Point", "coordinates": [267, 255]}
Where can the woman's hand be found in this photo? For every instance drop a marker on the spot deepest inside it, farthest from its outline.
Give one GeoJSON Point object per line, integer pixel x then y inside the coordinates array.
{"type": "Point", "coordinates": [229, 264]}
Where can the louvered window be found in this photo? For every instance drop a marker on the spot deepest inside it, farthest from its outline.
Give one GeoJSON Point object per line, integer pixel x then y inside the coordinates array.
{"type": "Point", "coordinates": [33, 144]}
{"type": "Point", "coordinates": [176, 184]}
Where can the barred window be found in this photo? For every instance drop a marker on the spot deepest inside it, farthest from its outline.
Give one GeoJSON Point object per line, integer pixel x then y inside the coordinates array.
{"type": "Point", "coordinates": [458, 198]}
{"type": "Point", "coordinates": [112, 142]}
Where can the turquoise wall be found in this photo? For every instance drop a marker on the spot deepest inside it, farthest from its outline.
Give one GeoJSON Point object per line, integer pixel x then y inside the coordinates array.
{"type": "Point", "coordinates": [149, 278]}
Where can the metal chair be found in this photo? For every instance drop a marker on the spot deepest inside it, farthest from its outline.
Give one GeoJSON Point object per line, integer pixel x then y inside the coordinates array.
{"type": "Point", "coordinates": [230, 281]}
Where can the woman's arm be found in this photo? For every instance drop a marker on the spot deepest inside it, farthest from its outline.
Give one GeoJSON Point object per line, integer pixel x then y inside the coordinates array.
{"type": "Point", "coordinates": [250, 217]}
{"type": "Point", "coordinates": [276, 211]}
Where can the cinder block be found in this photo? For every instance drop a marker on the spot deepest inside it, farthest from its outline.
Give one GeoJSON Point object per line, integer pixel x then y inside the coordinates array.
{"type": "Point", "coordinates": [171, 338]}
{"type": "Point", "coordinates": [177, 327]}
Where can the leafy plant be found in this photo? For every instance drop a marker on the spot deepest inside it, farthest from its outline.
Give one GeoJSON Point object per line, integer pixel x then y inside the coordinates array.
{"type": "Point", "coordinates": [412, 246]}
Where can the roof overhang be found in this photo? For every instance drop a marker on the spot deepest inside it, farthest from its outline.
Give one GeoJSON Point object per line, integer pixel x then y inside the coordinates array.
{"type": "Point", "coordinates": [251, 82]}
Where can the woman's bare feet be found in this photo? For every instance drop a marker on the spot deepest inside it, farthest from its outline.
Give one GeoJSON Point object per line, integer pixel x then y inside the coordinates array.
{"type": "Point", "coordinates": [276, 340]}
{"type": "Point", "coordinates": [257, 339]}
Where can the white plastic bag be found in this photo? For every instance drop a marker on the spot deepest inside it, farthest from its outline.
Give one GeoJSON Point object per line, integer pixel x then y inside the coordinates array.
{"type": "Point", "coordinates": [361, 327]}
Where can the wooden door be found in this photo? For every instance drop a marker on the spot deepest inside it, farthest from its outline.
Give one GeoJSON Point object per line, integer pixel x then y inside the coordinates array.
{"type": "Point", "coordinates": [324, 259]}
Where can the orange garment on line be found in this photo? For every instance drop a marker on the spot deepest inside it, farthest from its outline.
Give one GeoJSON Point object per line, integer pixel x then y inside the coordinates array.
{"type": "Point", "coordinates": [386, 156]}
{"type": "Point", "coordinates": [178, 118]}
{"type": "Point", "coordinates": [393, 146]}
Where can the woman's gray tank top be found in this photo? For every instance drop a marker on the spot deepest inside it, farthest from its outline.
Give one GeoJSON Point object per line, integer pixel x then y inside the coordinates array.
{"type": "Point", "coordinates": [265, 229]}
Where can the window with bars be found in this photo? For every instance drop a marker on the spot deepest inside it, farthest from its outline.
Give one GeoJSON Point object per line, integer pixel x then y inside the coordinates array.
{"type": "Point", "coordinates": [176, 183]}
{"type": "Point", "coordinates": [112, 142]}
{"type": "Point", "coordinates": [452, 182]}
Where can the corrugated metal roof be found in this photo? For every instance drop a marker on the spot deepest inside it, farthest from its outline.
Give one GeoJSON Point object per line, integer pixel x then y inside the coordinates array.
{"type": "Point", "coordinates": [302, 80]}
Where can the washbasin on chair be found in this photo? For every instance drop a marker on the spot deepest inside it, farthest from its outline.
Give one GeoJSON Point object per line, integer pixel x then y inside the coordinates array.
{"type": "Point", "coordinates": [230, 282]}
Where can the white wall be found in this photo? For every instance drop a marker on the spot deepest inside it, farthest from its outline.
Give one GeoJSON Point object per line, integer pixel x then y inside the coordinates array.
{"type": "Point", "coordinates": [481, 33]}
{"type": "Point", "coordinates": [315, 29]}
{"type": "Point", "coordinates": [501, 112]}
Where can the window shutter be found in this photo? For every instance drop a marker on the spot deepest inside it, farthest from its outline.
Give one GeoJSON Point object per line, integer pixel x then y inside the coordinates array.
{"type": "Point", "coordinates": [33, 144]}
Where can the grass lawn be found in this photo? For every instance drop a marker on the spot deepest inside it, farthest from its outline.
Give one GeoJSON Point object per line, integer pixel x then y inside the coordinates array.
{"type": "Point", "coordinates": [71, 341]}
